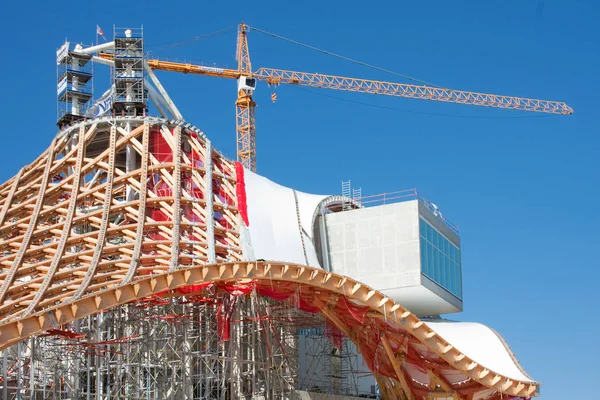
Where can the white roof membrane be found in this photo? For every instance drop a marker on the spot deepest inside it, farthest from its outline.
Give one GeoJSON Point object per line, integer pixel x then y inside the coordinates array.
{"type": "Point", "coordinates": [273, 221]}
{"type": "Point", "coordinates": [482, 345]}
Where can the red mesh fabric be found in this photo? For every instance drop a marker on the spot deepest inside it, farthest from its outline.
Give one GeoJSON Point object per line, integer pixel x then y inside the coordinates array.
{"type": "Point", "coordinates": [221, 193]}
{"type": "Point", "coordinates": [335, 336]}
{"type": "Point", "coordinates": [195, 158]}
{"type": "Point", "coordinates": [159, 147]}
{"type": "Point", "coordinates": [276, 292]}
{"type": "Point", "coordinates": [157, 214]}
{"type": "Point", "coordinates": [228, 307]}
{"type": "Point", "coordinates": [238, 289]}
{"type": "Point", "coordinates": [353, 314]}
{"type": "Point", "coordinates": [190, 186]}
{"type": "Point", "coordinates": [224, 318]}
{"type": "Point", "coordinates": [221, 167]}
{"type": "Point", "coordinates": [309, 300]}
{"type": "Point", "coordinates": [191, 216]}
{"type": "Point", "coordinates": [367, 330]}
{"type": "Point", "coordinates": [240, 191]}
{"type": "Point", "coordinates": [191, 289]}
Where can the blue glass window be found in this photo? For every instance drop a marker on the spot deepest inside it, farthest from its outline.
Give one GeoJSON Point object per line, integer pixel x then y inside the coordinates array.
{"type": "Point", "coordinates": [424, 265]}
{"type": "Point", "coordinates": [440, 259]}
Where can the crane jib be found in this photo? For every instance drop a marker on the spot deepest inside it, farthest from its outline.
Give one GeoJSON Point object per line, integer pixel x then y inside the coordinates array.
{"type": "Point", "coordinates": [245, 123]}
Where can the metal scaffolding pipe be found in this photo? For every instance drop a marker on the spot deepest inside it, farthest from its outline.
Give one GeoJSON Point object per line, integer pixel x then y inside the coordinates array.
{"type": "Point", "coordinates": [157, 105]}
{"type": "Point", "coordinates": [104, 61]}
{"type": "Point", "coordinates": [162, 91]}
{"type": "Point", "coordinates": [96, 49]}
{"type": "Point", "coordinates": [158, 99]}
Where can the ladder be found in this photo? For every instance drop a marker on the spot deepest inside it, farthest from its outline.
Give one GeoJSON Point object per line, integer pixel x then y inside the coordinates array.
{"type": "Point", "coordinates": [347, 194]}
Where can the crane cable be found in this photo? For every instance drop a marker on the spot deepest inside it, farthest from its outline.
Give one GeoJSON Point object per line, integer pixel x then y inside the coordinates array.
{"type": "Point", "coordinates": [216, 33]}
{"type": "Point", "coordinates": [172, 45]}
{"type": "Point", "coordinates": [345, 58]}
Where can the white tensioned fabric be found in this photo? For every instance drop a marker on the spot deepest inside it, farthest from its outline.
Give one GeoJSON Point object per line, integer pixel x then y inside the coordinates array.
{"type": "Point", "coordinates": [483, 345]}
{"type": "Point", "coordinates": [275, 236]}
{"type": "Point", "coordinates": [273, 221]}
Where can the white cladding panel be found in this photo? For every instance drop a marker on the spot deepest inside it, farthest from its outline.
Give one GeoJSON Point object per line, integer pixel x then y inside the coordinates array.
{"type": "Point", "coordinates": [379, 246]}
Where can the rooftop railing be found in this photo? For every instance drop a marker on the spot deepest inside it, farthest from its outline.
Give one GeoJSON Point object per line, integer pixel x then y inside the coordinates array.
{"type": "Point", "coordinates": [401, 196]}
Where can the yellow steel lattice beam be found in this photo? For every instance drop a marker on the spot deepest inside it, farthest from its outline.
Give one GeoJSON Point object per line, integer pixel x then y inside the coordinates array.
{"type": "Point", "coordinates": [280, 76]}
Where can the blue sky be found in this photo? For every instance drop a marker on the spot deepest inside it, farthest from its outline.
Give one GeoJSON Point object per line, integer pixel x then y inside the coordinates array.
{"type": "Point", "coordinates": [522, 187]}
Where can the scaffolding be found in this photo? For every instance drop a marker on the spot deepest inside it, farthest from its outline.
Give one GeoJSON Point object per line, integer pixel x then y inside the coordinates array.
{"type": "Point", "coordinates": [213, 344]}
{"type": "Point", "coordinates": [128, 72]}
{"type": "Point", "coordinates": [330, 363]}
{"type": "Point", "coordinates": [74, 88]}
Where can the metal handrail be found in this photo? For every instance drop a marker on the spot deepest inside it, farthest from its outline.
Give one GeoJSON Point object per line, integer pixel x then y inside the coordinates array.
{"type": "Point", "coordinates": [401, 196]}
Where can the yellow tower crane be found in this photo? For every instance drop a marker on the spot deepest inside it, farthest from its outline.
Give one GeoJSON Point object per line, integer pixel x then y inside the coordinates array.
{"type": "Point", "coordinates": [245, 105]}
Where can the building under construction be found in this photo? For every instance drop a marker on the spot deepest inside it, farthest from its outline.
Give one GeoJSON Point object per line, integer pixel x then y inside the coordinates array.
{"type": "Point", "coordinates": [140, 263]}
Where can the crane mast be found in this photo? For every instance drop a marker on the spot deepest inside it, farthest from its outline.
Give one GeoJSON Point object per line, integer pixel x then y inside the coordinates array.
{"type": "Point", "coordinates": [245, 124]}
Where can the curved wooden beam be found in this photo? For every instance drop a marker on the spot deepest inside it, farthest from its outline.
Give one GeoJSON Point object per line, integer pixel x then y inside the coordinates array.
{"type": "Point", "coordinates": [15, 331]}
{"type": "Point", "coordinates": [73, 246]}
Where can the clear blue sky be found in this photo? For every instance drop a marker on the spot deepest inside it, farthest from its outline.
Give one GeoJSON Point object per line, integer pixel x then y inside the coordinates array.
{"type": "Point", "coordinates": [522, 187]}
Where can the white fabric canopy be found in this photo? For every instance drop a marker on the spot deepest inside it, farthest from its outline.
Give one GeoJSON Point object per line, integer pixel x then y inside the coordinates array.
{"type": "Point", "coordinates": [481, 344]}
{"type": "Point", "coordinates": [273, 221]}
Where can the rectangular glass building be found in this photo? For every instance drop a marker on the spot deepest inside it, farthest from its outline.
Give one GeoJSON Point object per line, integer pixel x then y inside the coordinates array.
{"type": "Point", "coordinates": [407, 250]}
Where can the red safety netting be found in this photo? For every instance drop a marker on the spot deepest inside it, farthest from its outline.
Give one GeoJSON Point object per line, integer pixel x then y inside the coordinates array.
{"type": "Point", "coordinates": [227, 307]}
{"type": "Point", "coordinates": [240, 190]}
{"type": "Point", "coordinates": [159, 185]}
{"type": "Point", "coordinates": [341, 315]}
{"type": "Point", "coordinates": [304, 298]}
{"type": "Point", "coordinates": [335, 336]}
{"type": "Point", "coordinates": [224, 315]}
{"type": "Point", "coordinates": [159, 147]}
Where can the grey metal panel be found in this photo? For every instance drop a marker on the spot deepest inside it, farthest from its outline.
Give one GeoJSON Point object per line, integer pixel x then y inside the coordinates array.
{"type": "Point", "coordinates": [441, 292]}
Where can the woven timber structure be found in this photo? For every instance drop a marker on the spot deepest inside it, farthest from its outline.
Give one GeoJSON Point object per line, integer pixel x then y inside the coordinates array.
{"type": "Point", "coordinates": [120, 212]}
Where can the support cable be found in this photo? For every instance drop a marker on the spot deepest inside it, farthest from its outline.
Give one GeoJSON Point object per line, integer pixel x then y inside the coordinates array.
{"type": "Point", "coordinates": [343, 57]}
{"type": "Point", "coordinates": [173, 45]}
{"type": "Point", "coordinates": [300, 226]}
